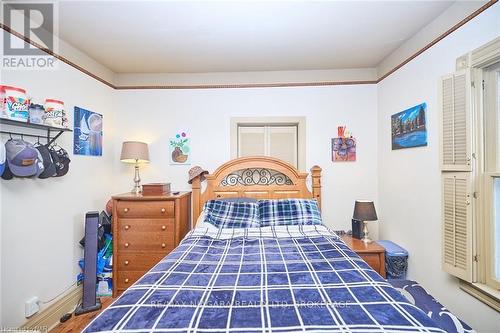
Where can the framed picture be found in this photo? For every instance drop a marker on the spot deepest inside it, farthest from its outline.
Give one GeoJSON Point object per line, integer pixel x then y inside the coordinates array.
{"type": "Point", "coordinates": [87, 133]}
{"type": "Point", "coordinates": [409, 128]}
{"type": "Point", "coordinates": [344, 146]}
{"type": "Point", "coordinates": [180, 151]}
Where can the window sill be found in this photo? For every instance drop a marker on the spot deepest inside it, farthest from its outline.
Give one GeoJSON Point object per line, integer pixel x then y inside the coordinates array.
{"type": "Point", "coordinates": [482, 292]}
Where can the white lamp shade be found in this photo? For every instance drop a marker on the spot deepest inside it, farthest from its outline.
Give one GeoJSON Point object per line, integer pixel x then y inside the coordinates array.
{"type": "Point", "coordinates": [134, 152]}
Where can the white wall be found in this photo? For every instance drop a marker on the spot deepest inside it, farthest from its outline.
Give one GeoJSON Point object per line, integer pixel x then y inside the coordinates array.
{"type": "Point", "coordinates": [42, 219]}
{"type": "Point", "coordinates": [409, 180]}
{"type": "Point", "coordinates": [154, 115]}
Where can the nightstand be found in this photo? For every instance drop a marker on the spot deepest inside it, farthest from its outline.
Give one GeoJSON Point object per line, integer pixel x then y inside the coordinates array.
{"type": "Point", "coordinates": [372, 253]}
{"type": "Point", "coordinates": [145, 230]}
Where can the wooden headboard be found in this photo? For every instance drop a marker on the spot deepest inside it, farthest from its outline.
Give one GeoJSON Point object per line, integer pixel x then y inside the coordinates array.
{"type": "Point", "coordinates": [257, 177]}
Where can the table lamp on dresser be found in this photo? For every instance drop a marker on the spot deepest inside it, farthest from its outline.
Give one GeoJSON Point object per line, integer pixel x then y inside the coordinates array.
{"type": "Point", "coordinates": [137, 153]}
{"type": "Point", "coordinates": [365, 211]}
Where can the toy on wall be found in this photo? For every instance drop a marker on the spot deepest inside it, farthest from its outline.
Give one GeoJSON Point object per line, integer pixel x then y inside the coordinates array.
{"type": "Point", "coordinates": [344, 146]}
{"type": "Point", "coordinates": [180, 149]}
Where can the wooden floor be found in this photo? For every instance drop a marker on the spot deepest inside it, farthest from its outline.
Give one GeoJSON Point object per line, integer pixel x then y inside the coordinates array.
{"type": "Point", "coordinates": [77, 324]}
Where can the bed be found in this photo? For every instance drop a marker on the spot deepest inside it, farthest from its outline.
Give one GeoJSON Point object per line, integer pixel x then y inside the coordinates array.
{"type": "Point", "coordinates": [276, 278]}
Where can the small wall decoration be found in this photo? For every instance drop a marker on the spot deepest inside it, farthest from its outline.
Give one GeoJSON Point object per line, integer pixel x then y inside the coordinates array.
{"type": "Point", "coordinates": [179, 149]}
{"type": "Point", "coordinates": [409, 128]}
{"type": "Point", "coordinates": [344, 146]}
{"type": "Point", "coordinates": [87, 135]}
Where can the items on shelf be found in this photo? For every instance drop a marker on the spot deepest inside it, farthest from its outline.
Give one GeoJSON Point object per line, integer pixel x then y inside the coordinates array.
{"type": "Point", "coordinates": [37, 112]}
{"type": "Point", "coordinates": [17, 106]}
{"type": "Point", "coordinates": [15, 103]}
{"type": "Point", "coordinates": [54, 113]}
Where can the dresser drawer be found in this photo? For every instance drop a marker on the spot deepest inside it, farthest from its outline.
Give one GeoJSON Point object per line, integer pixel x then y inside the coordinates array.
{"type": "Point", "coordinates": [138, 261]}
{"type": "Point", "coordinates": [372, 259]}
{"type": "Point", "coordinates": [145, 235]}
{"type": "Point", "coordinates": [138, 209]}
{"type": "Point", "coordinates": [127, 278]}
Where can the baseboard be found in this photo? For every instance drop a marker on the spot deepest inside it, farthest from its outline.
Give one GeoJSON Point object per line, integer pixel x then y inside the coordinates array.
{"type": "Point", "coordinates": [49, 317]}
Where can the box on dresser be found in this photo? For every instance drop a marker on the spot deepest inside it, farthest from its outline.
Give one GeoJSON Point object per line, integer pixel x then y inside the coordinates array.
{"type": "Point", "coordinates": [156, 189]}
{"type": "Point", "coordinates": [145, 229]}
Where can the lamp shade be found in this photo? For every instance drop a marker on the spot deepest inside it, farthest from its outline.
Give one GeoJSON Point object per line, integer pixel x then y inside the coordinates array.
{"type": "Point", "coordinates": [134, 152]}
{"type": "Point", "coordinates": [364, 211]}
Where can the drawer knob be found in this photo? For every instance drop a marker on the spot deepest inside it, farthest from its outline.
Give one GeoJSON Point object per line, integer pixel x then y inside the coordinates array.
{"type": "Point", "coordinates": [127, 227]}
{"type": "Point", "coordinates": [163, 210]}
{"type": "Point", "coordinates": [127, 244]}
{"type": "Point", "coordinates": [163, 245]}
{"type": "Point", "coordinates": [126, 280]}
{"type": "Point", "coordinates": [126, 262]}
{"type": "Point", "coordinates": [125, 210]}
{"type": "Point", "coordinates": [163, 227]}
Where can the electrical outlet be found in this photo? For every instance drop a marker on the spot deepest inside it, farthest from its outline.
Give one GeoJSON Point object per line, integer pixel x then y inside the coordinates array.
{"type": "Point", "coordinates": [31, 306]}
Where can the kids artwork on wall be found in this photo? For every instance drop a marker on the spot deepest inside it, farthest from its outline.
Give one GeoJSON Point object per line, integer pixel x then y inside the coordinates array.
{"type": "Point", "coordinates": [344, 146]}
{"type": "Point", "coordinates": [409, 128]}
{"type": "Point", "coordinates": [180, 149]}
{"type": "Point", "coordinates": [87, 135]}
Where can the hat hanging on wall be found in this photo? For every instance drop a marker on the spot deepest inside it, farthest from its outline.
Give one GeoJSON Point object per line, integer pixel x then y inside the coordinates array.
{"type": "Point", "coordinates": [23, 158]}
{"type": "Point", "coordinates": [48, 164]}
{"type": "Point", "coordinates": [2, 159]}
{"type": "Point", "coordinates": [195, 172]}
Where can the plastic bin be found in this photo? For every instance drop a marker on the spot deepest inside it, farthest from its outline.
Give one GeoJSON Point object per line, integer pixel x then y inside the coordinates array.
{"type": "Point", "coordinates": [396, 260]}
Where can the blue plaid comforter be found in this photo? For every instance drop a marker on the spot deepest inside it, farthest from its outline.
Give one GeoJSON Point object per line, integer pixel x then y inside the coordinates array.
{"type": "Point", "coordinates": [273, 279]}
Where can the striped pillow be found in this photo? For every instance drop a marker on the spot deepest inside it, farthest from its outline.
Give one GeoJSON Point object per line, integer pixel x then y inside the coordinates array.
{"type": "Point", "coordinates": [226, 214]}
{"type": "Point", "coordinates": [289, 212]}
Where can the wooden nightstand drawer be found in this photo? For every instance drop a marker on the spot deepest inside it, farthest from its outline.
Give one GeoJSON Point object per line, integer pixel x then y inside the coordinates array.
{"type": "Point", "coordinates": [372, 259]}
{"type": "Point", "coordinates": [128, 226]}
{"type": "Point", "coordinates": [138, 261]}
{"type": "Point", "coordinates": [127, 278]}
{"type": "Point", "coordinates": [142, 242]}
{"type": "Point", "coordinates": [372, 253]}
{"type": "Point", "coordinates": [144, 209]}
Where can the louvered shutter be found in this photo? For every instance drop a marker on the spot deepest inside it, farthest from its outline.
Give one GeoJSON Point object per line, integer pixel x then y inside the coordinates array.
{"type": "Point", "coordinates": [456, 122]}
{"type": "Point", "coordinates": [457, 225]}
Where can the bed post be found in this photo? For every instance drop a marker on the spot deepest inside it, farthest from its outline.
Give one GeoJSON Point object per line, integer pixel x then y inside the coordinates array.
{"type": "Point", "coordinates": [316, 183]}
{"type": "Point", "coordinates": [196, 186]}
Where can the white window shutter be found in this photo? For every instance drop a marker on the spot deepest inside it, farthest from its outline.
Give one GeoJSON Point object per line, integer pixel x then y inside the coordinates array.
{"type": "Point", "coordinates": [457, 225]}
{"type": "Point", "coordinates": [251, 141]}
{"type": "Point", "coordinates": [456, 122]}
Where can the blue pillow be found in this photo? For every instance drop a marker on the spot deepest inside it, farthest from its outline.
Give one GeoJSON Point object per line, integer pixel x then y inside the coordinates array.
{"type": "Point", "coordinates": [289, 212]}
{"type": "Point", "coordinates": [226, 214]}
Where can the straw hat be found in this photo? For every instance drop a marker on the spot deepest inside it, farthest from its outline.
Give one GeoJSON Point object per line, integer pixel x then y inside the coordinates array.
{"type": "Point", "coordinates": [195, 172]}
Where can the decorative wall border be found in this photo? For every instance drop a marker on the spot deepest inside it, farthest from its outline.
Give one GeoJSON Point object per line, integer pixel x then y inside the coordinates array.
{"type": "Point", "coordinates": [254, 85]}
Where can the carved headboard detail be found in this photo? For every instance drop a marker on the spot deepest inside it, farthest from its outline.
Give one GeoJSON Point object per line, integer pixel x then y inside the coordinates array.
{"type": "Point", "coordinates": [257, 177]}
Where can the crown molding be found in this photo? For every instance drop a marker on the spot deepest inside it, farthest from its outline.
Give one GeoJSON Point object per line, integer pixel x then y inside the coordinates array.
{"type": "Point", "coordinates": [438, 39]}
{"type": "Point", "coordinates": [214, 80]}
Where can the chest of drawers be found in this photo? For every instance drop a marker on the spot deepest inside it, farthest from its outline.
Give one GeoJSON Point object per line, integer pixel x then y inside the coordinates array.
{"type": "Point", "coordinates": [145, 229]}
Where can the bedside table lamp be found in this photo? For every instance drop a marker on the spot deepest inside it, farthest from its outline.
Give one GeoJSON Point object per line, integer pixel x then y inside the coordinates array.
{"type": "Point", "coordinates": [365, 211]}
{"type": "Point", "coordinates": [135, 152]}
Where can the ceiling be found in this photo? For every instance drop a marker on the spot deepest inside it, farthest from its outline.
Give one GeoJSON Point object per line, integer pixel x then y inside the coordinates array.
{"type": "Point", "coordinates": [209, 36]}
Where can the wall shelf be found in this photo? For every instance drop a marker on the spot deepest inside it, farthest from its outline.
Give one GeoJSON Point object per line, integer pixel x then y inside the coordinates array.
{"type": "Point", "coordinates": [48, 129]}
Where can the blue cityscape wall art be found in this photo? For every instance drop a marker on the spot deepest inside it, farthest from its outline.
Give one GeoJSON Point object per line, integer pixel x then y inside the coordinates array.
{"type": "Point", "coordinates": [409, 128]}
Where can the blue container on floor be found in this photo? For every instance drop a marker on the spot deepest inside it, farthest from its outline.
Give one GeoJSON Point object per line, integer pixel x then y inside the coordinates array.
{"type": "Point", "coordinates": [396, 260]}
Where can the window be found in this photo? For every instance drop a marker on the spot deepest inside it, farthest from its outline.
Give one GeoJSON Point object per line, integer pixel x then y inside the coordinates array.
{"type": "Point", "coordinates": [470, 166]}
{"type": "Point", "coordinates": [491, 173]}
{"type": "Point", "coordinates": [282, 138]}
